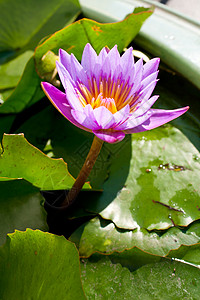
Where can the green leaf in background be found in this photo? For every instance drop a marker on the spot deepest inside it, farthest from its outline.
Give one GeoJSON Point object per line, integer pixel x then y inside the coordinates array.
{"type": "Point", "coordinates": [6, 122]}
{"type": "Point", "coordinates": [24, 92]}
{"type": "Point", "coordinates": [74, 37]}
{"type": "Point", "coordinates": [152, 183]}
{"type": "Point", "coordinates": [97, 236]}
{"type": "Point", "coordinates": [163, 280]}
{"type": "Point", "coordinates": [38, 265]}
{"type": "Point", "coordinates": [19, 159]}
{"type": "Point", "coordinates": [11, 71]}
{"type": "Point", "coordinates": [24, 23]}
{"type": "Point", "coordinates": [21, 207]}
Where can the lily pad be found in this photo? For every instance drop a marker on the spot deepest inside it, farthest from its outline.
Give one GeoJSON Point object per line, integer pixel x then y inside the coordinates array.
{"type": "Point", "coordinates": [38, 265]}
{"type": "Point", "coordinates": [11, 71]}
{"type": "Point", "coordinates": [30, 21]}
{"type": "Point", "coordinates": [19, 159]}
{"type": "Point", "coordinates": [101, 236]}
{"type": "Point", "coordinates": [74, 37]}
{"type": "Point", "coordinates": [21, 207]}
{"type": "Point", "coordinates": [153, 182]}
{"type": "Point", "coordinates": [103, 279]}
{"type": "Point", "coordinates": [24, 92]}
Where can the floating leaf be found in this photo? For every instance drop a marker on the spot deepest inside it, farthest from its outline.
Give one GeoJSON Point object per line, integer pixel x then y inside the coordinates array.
{"type": "Point", "coordinates": [38, 265]}
{"type": "Point", "coordinates": [24, 92]}
{"type": "Point", "coordinates": [153, 182]}
{"type": "Point", "coordinates": [100, 236]}
{"type": "Point", "coordinates": [11, 71]}
{"type": "Point", "coordinates": [20, 159]}
{"type": "Point", "coordinates": [21, 207]}
{"type": "Point", "coordinates": [74, 37]}
{"type": "Point", "coordinates": [103, 279]}
{"type": "Point", "coordinates": [30, 20]}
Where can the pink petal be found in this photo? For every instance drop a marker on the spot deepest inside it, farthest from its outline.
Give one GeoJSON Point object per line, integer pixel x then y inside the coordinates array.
{"type": "Point", "coordinates": [145, 82]}
{"type": "Point", "coordinates": [158, 118]}
{"type": "Point", "coordinates": [144, 106]}
{"type": "Point", "coordinates": [104, 117]}
{"type": "Point", "coordinates": [72, 96]}
{"type": "Point", "coordinates": [102, 56]}
{"type": "Point", "coordinates": [121, 117]}
{"type": "Point", "coordinates": [89, 59]}
{"type": "Point", "coordinates": [145, 94]}
{"type": "Point", "coordinates": [136, 80]}
{"type": "Point", "coordinates": [77, 71]}
{"type": "Point", "coordinates": [86, 118]}
{"type": "Point", "coordinates": [127, 64]}
{"type": "Point", "coordinates": [150, 67]}
{"type": "Point", "coordinates": [65, 59]}
{"type": "Point", "coordinates": [58, 99]}
{"type": "Point", "coordinates": [110, 136]}
{"type": "Point", "coordinates": [135, 121]}
{"type": "Point", "coordinates": [63, 74]}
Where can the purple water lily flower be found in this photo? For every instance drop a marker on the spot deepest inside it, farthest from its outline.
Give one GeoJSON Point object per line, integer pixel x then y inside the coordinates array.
{"type": "Point", "coordinates": [107, 94]}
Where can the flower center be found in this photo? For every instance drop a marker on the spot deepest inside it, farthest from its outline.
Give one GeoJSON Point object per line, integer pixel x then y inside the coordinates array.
{"type": "Point", "coordinates": [114, 95]}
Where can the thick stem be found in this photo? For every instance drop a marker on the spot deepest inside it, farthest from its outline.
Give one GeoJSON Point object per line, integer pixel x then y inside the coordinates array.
{"type": "Point", "coordinates": [85, 171]}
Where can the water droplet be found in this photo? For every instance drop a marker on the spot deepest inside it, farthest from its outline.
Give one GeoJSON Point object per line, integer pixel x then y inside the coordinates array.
{"type": "Point", "coordinates": [196, 157]}
{"type": "Point", "coordinates": [148, 170]}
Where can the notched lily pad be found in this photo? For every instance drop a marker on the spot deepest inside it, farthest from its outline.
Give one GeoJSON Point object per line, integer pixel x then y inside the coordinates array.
{"type": "Point", "coordinates": [101, 236]}
{"type": "Point", "coordinates": [19, 159]}
{"type": "Point", "coordinates": [103, 279]}
{"type": "Point", "coordinates": [74, 37]}
{"type": "Point", "coordinates": [138, 193]}
{"type": "Point", "coordinates": [39, 265]}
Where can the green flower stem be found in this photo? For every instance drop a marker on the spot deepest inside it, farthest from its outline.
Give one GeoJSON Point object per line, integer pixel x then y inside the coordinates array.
{"type": "Point", "coordinates": [85, 171]}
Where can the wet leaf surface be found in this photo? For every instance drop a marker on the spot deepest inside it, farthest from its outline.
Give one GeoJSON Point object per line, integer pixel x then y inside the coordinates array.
{"type": "Point", "coordinates": [138, 193]}
{"type": "Point", "coordinates": [102, 236]}
{"type": "Point", "coordinates": [103, 279]}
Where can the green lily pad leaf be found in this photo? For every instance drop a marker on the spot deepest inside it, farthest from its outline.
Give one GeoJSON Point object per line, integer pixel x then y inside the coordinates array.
{"type": "Point", "coordinates": [163, 280]}
{"type": "Point", "coordinates": [186, 252]}
{"type": "Point", "coordinates": [21, 207]}
{"type": "Point", "coordinates": [19, 159]}
{"type": "Point", "coordinates": [11, 71]}
{"type": "Point", "coordinates": [24, 92]}
{"type": "Point", "coordinates": [74, 37]}
{"type": "Point", "coordinates": [38, 265]}
{"type": "Point", "coordinates": [153, 182]}
{"type": "Point", "coordinates": [30, 21]}
{"type": "Point", "coordinates": [4, 94]}
{"type": "Point", "coordinates": [97, 236]}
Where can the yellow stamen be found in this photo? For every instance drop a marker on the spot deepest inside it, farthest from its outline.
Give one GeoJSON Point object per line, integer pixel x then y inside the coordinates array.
{"type": "Point", "coordinates": [109, 93]}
